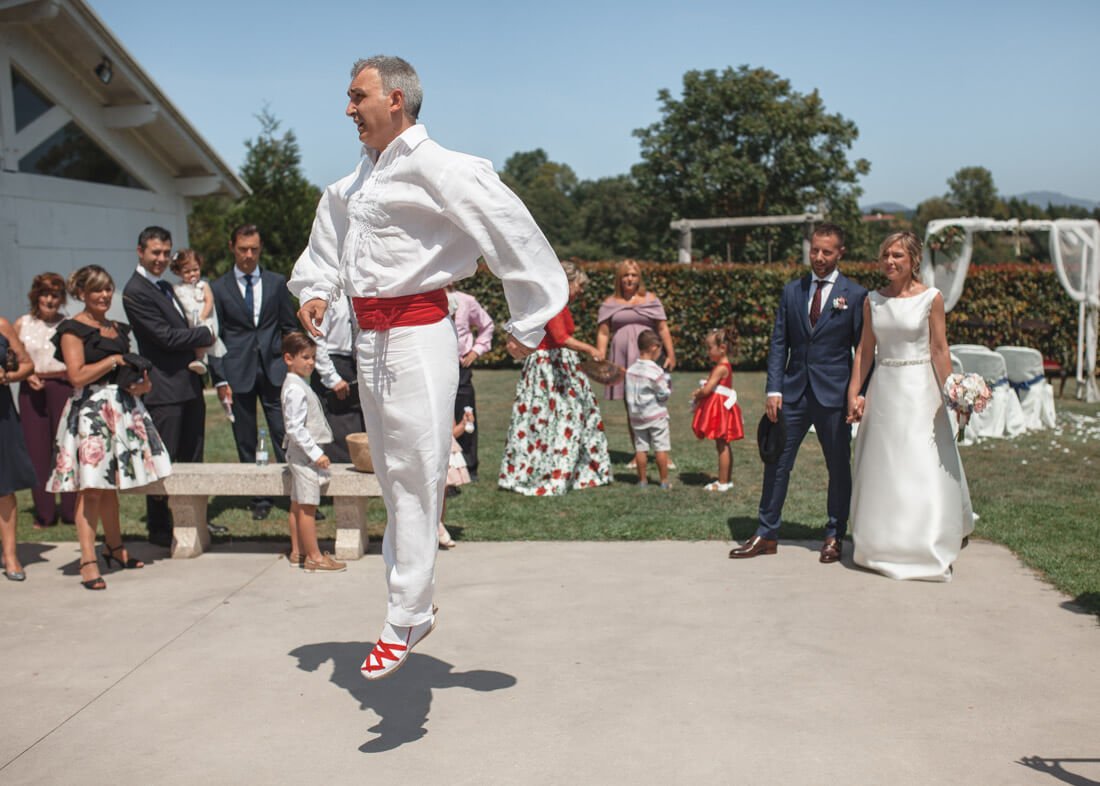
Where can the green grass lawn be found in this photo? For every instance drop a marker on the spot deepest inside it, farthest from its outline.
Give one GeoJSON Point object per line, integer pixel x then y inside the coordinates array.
{"type": "Point", "coordinates": [1035, 494]}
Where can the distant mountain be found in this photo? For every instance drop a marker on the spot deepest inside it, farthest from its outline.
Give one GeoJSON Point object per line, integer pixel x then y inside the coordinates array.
{"type": "Point", "coordinates": [887, 207]}
{"type": "Point", "coordinates": [1037, 198]}
{"type": "Point", "coordinates": [1044, 198]}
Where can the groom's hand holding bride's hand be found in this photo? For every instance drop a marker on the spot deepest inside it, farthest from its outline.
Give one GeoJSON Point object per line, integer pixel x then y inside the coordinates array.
{"type": "Point", "coordinates": [855, 409]}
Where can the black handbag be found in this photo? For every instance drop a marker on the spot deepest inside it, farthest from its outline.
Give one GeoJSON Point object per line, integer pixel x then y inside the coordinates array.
{"type": "Point", "coordinates": [133, 372]}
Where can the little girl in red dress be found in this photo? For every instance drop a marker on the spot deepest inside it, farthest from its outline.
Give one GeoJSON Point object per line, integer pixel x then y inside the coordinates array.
{"type": "Point", "coordinates": [717, 414]}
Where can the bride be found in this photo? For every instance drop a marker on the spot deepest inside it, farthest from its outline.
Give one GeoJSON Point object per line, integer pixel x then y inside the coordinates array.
{"type": "Point", "coordinates": [910, 503]}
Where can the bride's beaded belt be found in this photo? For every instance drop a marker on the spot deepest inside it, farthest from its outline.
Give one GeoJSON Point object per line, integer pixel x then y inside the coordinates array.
{"type": "Point", "coordinates": [901, 362]}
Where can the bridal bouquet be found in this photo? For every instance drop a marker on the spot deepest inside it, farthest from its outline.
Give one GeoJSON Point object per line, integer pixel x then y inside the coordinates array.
{"type": "Point", "coordinates": [966, 394]}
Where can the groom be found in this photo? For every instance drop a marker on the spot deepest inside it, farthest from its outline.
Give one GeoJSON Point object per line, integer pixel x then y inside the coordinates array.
{"type": "Point", "coordinates": [817, 326]}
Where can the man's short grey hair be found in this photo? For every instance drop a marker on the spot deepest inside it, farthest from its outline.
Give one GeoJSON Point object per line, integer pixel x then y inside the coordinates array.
{"type": "Point", "coordinates": [396, 74]}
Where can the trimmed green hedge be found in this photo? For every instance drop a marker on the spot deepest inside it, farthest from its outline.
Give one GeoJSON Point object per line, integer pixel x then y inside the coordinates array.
{"type": "Point", "coordinates": [1002, 304]}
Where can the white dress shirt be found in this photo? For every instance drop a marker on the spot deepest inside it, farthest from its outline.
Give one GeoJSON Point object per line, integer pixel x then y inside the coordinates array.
{"type": "Point", "coordinates": [257, 291]}
{"type": "Point", "coordinates": [339, 338]}
{"type": "Point", "coordinates": [826, 290]}
{"type": "Point", "coordinates": [416, 220]}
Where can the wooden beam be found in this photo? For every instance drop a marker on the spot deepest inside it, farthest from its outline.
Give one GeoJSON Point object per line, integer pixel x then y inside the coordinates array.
{"type": "Point", "coordinates": [686, 225]}
{"type": "Point", "coordinates": [39, 130]}
{"type": "Point", "coordinates": [28, 13]}
{"type": "Point", "coordinates": [746, 221]}
{"type": "Point", "coordinates": [131, 116]}
{"type": "Point", "coordinates": [198, 186]}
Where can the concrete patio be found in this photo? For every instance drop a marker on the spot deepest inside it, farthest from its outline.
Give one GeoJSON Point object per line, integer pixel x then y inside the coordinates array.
{"type": "Point", "coordinates": [570, 662]}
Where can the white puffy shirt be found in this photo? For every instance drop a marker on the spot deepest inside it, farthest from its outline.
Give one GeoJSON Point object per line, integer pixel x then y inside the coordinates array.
{"type": "Point", "coordinates": [417, 219]}
{"type": "Point", "coordinates": [338, 337]}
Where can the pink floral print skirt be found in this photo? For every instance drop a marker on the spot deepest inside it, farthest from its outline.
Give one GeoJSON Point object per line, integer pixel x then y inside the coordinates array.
{"type": "Point", "coordinates": [106, 440]}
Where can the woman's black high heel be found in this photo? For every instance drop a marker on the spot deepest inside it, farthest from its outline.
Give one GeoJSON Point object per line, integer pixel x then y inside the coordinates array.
{"type": "Point", "coordinates": [108, 555]}
{"type": "Point", "coordinates": [93, 584]}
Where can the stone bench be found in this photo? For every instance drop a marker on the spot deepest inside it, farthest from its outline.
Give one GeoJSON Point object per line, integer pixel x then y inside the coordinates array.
{"type": "Point", "coordinates": [191, 485]}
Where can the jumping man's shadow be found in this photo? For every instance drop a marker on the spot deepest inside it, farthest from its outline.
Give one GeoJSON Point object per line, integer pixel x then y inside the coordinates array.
{"type": "Point", "coordinates": [401, 701]}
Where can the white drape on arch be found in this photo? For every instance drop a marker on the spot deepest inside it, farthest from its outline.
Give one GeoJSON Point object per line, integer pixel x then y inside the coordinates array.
{"type": "Point", "coordinates": [1075, 252]}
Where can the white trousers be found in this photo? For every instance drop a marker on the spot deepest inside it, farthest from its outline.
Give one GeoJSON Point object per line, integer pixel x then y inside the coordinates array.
{"type": "Point", "coordinates": [407, 382]}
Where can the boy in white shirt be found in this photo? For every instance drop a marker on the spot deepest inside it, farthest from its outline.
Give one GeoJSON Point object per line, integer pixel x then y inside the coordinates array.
{"type": "Point", "coordinates": [647, 390]}
{"type": "Point", "coordinates": [306, 431]}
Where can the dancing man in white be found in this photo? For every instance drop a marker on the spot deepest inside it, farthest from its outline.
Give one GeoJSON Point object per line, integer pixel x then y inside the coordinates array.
{"type": "Point", "coordinates": [412, 218]}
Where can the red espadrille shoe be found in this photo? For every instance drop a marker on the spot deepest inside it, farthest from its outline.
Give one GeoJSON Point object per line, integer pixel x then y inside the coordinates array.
{"type": "Point", "coordinates": [393, 647]}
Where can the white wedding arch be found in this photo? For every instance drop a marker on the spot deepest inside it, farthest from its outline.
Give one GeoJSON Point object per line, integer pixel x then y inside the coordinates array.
{"type": "Point", "coordinates": [1074, 250]}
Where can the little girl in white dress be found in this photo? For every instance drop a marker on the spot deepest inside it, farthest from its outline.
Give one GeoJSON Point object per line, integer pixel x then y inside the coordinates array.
{"type": "Point", "coordinates": [194, 294]}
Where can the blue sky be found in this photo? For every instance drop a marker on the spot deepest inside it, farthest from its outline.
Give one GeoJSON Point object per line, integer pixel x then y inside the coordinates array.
{"type": "Point", "coordinates": [932, 86]}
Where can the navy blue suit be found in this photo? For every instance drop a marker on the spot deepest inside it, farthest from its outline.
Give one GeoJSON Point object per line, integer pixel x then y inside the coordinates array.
{"type": "Point", "coordinates": [253, 361]}
{"type": "Point", "coordinates": [811, 367]}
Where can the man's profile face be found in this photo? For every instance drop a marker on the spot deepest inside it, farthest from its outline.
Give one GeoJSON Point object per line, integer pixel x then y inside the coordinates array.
{"type": "Point", "coordinates": [153, 256]}
{"type": "Point", "coordinates": [246, 252]}
{"type": "Point", "coordinates": [371, 109]}
{"type": "Point", "coordinates": [825, 252]}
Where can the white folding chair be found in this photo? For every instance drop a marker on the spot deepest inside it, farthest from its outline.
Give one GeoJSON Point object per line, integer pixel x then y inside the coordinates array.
{"type": "Point", "coordinates": [956, 364]}
{"type": "Point", "coordinates": [1024, 367]}
{"type": "Point", "coordinates": [970, 348]}
{"type": "Point", "coordinates": [1003, 415]}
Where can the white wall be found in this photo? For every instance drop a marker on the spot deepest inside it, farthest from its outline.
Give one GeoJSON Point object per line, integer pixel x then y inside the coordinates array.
{"type": "Point", "coordinates": [49, 223]}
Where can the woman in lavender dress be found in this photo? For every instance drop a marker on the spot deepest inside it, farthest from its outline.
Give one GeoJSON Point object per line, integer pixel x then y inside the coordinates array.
{"type": "Point", "coordinates": [622, 317]}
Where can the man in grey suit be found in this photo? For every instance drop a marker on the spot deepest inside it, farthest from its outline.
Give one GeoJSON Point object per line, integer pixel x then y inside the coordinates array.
{"type": "Point", "coordinates": [254, 311]}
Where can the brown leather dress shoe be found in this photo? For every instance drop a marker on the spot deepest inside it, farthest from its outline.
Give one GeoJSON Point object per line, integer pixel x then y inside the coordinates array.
{"type": "Point", "coordinates": [832, 550]}
{"type": "Point", "coordinates": [754, 546]}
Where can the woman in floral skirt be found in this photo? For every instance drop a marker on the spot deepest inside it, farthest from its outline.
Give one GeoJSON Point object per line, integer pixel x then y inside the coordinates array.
{"type": "Point", "coordinates": [556, 440]}
{"type": "Point", "coordinates": [106, 440]}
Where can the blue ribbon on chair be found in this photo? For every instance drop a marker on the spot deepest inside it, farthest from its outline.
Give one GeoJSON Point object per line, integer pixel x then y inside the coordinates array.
{"type": "Point", "coordinates": [1026, 384]}
{"type": "Point", "coordinates": [998, 383]}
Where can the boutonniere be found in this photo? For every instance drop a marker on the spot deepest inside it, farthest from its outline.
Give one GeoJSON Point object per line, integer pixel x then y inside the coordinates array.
{"type": "Point", "coordinates": [840, 304]}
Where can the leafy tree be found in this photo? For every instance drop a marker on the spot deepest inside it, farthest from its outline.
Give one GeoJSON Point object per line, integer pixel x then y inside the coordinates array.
{"type": "Point", "coordinates": [282, 203]}
{"type": "Point", "coordinates": [874, 229]}
{"type": "Point", "coordinates": [930, 210]}
{"type": "Point", "coordinates": [208, 226]}
{"type": "Point", "coordinates": [546, 187]}
{"type": "Point", "coordinates": [611, 215]}
{"type": "Point", "coordinates": [741, 142]}
{"type": "Point", "coordinates": [972, 192]}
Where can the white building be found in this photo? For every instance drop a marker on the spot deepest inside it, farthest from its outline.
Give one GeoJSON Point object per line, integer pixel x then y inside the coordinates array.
{"type": "Point", "coordinates": [91, 151]}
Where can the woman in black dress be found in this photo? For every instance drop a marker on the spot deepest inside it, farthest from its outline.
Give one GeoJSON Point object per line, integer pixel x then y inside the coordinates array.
{"type": "Point", "coordinates": [16, 471]}
{"type": "Point", "coordinates": [106, 439]}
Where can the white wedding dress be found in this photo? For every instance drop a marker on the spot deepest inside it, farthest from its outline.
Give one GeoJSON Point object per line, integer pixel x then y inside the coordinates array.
{"type": "Point", "coordinates": [910, 503]}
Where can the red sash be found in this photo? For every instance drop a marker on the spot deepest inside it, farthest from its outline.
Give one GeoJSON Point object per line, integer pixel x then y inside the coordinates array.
{"type": "Point", "coordinates": [383, 313]}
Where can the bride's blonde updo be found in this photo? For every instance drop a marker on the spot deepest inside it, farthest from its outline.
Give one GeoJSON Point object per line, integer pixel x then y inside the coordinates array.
{"type": "Point", "coordinates": [910, 243]}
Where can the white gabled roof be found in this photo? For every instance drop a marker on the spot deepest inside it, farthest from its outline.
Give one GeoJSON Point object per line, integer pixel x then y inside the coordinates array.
{"type": "Point", "coordinates": [72, 32]}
